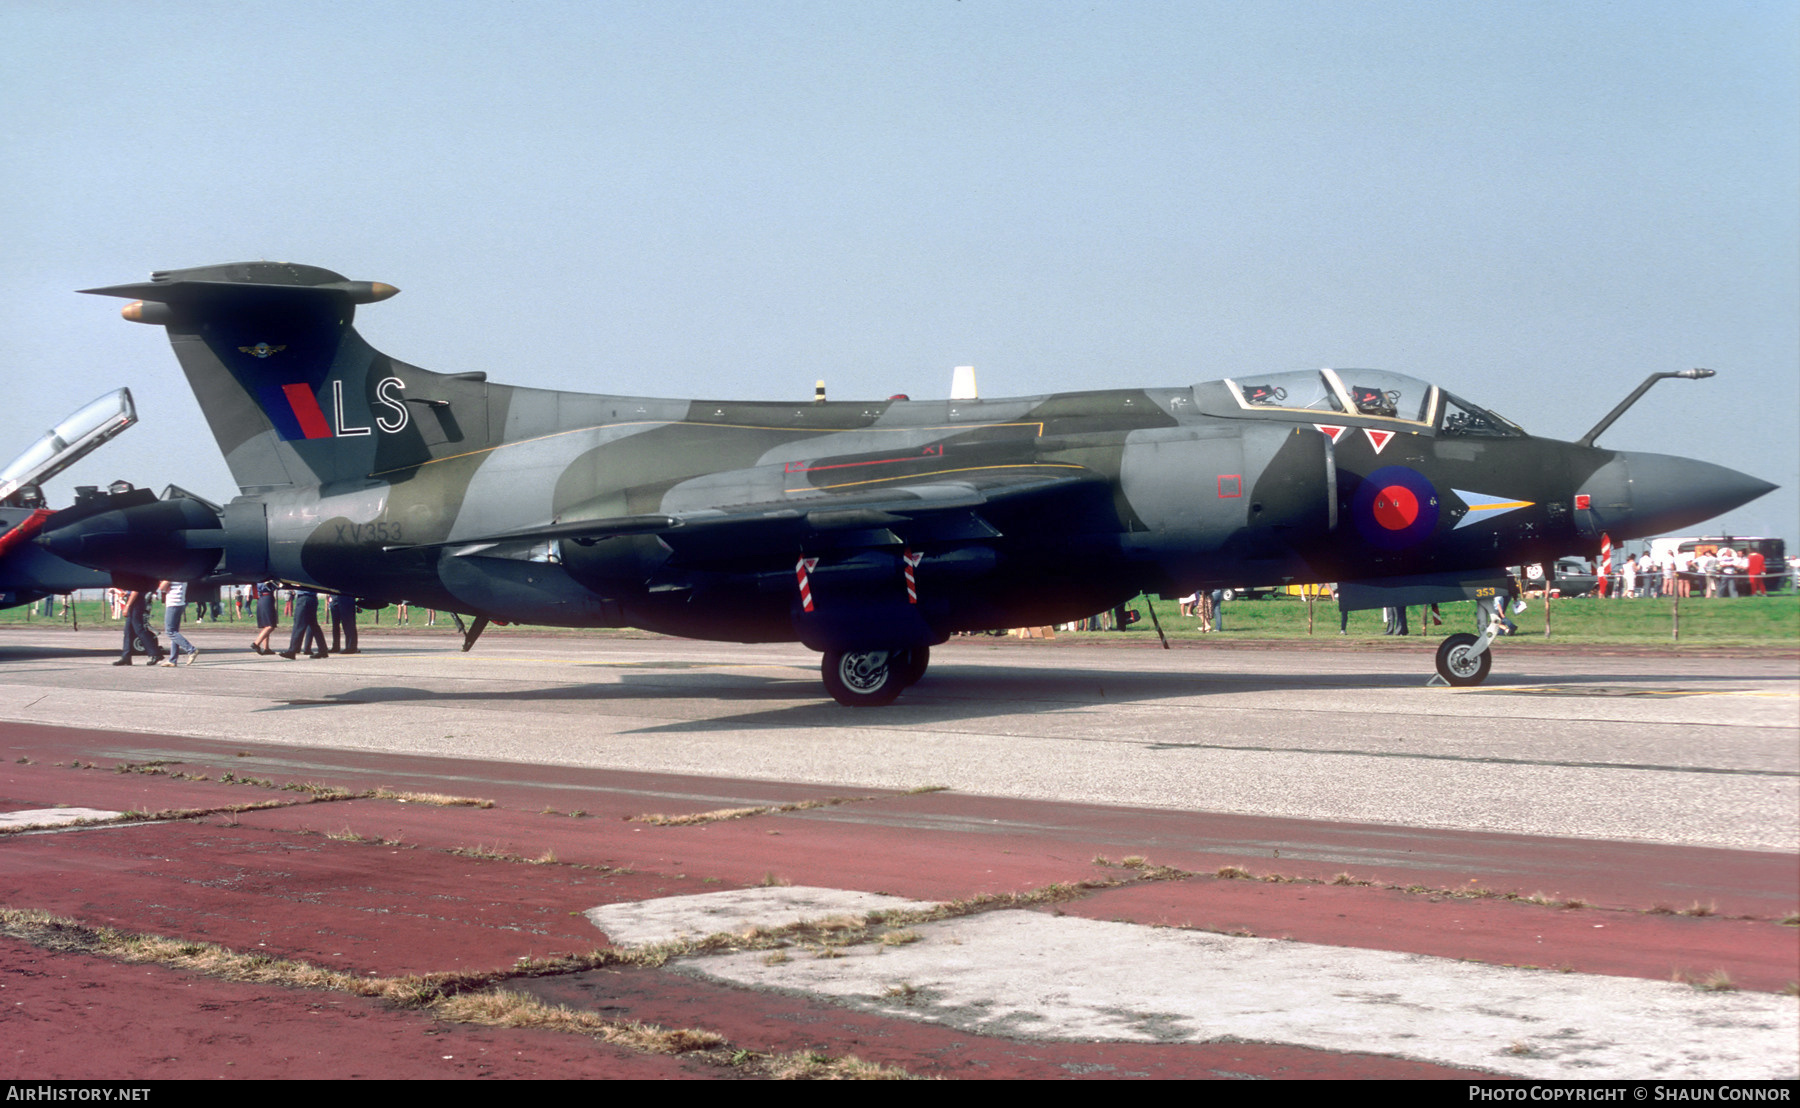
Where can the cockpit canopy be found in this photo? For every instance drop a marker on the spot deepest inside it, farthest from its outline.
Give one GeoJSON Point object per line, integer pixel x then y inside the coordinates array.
{"type": "Point", "coordinates": [68, 442]}
{"type": "Point", "coordinates": [1367, 394]}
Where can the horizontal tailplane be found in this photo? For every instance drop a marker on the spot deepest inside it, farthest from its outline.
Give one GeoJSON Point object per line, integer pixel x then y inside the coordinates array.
{"type": "Point", "coordinates": [292, 393]}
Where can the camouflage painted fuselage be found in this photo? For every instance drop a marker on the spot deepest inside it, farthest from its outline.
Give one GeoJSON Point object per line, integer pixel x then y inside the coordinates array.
{"type": "Point", "coordinates": [776, 521]}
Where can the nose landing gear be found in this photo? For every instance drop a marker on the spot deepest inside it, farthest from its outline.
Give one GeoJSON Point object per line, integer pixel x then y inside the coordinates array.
{"type": "Point", "coordinates": [1464, 659]}
{"type": "Point", "coordinates": [1460, 663]}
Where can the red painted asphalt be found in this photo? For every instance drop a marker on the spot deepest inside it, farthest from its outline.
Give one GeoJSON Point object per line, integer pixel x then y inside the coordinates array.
{"type": "Point", "coordinates": [372, 886]}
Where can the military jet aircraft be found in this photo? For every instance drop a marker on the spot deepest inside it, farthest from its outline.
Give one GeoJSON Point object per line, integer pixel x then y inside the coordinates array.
{"type": "Point", "coordinates": [867, 530]}
{"type": "Point", "coordinates": [28, 572]}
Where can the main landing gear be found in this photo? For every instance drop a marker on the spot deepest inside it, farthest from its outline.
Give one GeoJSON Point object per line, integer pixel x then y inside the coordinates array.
{"type": "Point", "coordinates": [872, 678]}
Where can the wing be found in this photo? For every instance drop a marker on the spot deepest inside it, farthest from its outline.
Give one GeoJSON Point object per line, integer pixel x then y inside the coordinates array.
{"type": "Point", "coordinates": [972, 506]}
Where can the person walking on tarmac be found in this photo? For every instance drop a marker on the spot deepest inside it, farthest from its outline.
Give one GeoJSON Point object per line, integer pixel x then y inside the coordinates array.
{"type": "Point", "coordinates": [137, 629]}
{"type": "Point", "coordinates": [307, 636]}
{"type": "Point", "coordinates": [265, 617]}
{"type": "Point", "coordinates": [174, 604]}
{"type": "Point", "coordinates": [343, 618]}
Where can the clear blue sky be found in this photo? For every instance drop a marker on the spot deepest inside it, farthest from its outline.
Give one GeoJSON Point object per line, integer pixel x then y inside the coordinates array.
{"type": "Point", "coordinates": [1532, 204]}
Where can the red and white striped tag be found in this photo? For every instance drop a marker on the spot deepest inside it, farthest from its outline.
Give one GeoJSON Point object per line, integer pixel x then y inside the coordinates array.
{"type": "Point", "coordinates": [911, 561]}
{"type": "Point", "coordinates": [802, 569]}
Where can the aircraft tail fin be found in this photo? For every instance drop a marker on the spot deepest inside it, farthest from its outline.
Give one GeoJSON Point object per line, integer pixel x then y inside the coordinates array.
{"type": "Point", "coordinates": [292, 393]}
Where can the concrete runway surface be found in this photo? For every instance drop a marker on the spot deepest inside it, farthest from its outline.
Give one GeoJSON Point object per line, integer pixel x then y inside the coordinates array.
{"type": "Point", "coordinates": [1580, 869]}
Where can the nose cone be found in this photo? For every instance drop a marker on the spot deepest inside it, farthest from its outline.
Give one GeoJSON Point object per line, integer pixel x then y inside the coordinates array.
{"type": "Point", "coordinates": [1635, 495]}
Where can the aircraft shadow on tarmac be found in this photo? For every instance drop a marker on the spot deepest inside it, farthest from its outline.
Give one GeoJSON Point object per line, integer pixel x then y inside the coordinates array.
{"type": "Point", "coordinates": [949, 693]}
{"type": "Point", "coordinates": [49, 653]}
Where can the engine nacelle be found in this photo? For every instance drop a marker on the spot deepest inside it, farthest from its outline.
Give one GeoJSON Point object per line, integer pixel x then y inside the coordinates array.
{"type": "Point", "coordinates": [133, 534]}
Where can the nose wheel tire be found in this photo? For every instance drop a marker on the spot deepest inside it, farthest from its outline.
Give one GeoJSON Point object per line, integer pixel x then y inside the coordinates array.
{"type": "Point", "coordinates": [1458, 663]}
{"type": "Point", "coordinates": [863, 678]}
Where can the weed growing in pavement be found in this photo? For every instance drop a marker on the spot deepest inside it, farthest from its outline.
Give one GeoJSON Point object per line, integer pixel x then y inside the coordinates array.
{"type": "Point", "coordinates": [314, 789]}
{"type": "Point", "coordinates": [718, 815]}
{"type": "Point", "coordinates": [136, 816]}
{"type": "Point", "coordinates": [723, 814]}
{"type": "Point", "coordinates": [1470, 891]}
{"type": "Point", "coordinates": [440, 799]}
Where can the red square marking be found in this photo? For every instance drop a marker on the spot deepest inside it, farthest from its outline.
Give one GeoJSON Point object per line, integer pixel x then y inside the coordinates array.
{"type": "Point", "coordinates": [1581, 503]}
{"type": "Point", "coordinates": [1230, 485]}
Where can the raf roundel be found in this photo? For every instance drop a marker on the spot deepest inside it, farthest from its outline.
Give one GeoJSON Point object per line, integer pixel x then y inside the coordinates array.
{"type": "Point", "coordinates": [1395, 507]}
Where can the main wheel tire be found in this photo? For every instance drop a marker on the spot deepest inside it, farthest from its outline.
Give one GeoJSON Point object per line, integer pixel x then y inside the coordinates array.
{"type": "Point", "coordinates": [912, 663]}
{"type": "Point", "coordinates": [1458, 664]}
{"type": "Point", "coordinates": [861, 678]}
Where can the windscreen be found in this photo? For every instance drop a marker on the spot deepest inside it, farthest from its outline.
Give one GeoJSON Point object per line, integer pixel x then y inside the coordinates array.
{"type": "Point", "coordinates": [1462, 418]}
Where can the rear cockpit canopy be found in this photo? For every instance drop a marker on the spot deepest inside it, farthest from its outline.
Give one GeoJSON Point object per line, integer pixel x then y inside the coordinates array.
{"type": "Point", "coordinates": [1366, 394]}
{"type": "Point", "coordinates": [68, 442]}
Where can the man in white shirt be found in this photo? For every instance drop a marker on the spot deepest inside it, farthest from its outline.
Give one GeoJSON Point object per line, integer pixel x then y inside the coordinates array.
{"type": "Point", "coordinates": [174, 604]}
{"type": "Point", "coordinates": [1708, 566]}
